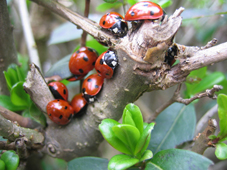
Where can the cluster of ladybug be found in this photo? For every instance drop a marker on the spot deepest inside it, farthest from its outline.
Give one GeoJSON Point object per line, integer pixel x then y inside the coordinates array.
{"type": "Point", "coordinates": [85, 59]}
{"type": "Point", "coordinates": [81, 62]}
{"type": "Point", "coordinates": [144, 10]}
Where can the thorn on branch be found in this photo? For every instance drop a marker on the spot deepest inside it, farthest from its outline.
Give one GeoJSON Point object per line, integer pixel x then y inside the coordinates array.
{"type": "Point", "coordinates": [210, 44]}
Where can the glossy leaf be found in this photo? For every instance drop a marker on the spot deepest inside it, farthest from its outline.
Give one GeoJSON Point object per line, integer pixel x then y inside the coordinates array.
{"type": "Point", "coordinates": [93, 43]}
{"type": "Point", "coordinates": [121, 161]}
{"type": "Point", "coordinates": [173, 159]}
{"type": "Point", "coordinates": [132, 2]}
{"type": "Point", "coordinates": [222, 113]}
{"type": "Point", "coordinates": [146, 155]}
{"type": "Point", "coordinates": [128, 134]}
{"type": "Point", "coordinates": [60, 68]}
{"type": "Point", "coordinates": [110, 1]}
{"type": "Point", "coordinates": [6, 102]}
{"type": "Point", "coordinates": [136, 115]}
{"type": "Point", "coordinates": [86, 163]}
{"type": "Point", "coordinates": [18, 96]}
{"type": "Point", "coordinates": [37, 114]}
{"type": "Point", "coordinates": [221, 151]}
{"type": "Point", "coordinates": [174, 125]}
{"type": "Point", "coordinates": [127, 119]}
{"type": "Point", "coordinates": [11, 77]}
{"type": "Point", "coordinates": [2, 165]}
{"type": "Point", "coordinates": [11, 160]}
{"type": "Point", "coordinates": [106, 129]}
{"type": "Point", "coordinates": [106, 6]}
{"type": "Point", "coordinates": [144, 140]}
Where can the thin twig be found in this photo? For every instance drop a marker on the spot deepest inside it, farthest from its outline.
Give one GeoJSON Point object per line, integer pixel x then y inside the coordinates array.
{"type": "Point", "coordinates": [86, 13]}
{"type": "Point", "coordinates": [31, 45]}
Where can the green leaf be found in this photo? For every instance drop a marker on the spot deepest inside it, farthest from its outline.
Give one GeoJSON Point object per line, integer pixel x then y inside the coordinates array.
{"type": "Point", "coordinates": [222, 113]}
{"type": "Point", "coordinates": [11, 77]}
{"type": "Point", "coordinates": [132, 2]}
{"type": "Point", "coordinates": [93, 43]}
{"type": "Point", "coordinates": [128, 134]}
{"type": "Point", "coordinates": [60, 68]}
{"type": "Point", "coordinates": [50, 163]}
{"type": "Point", "coordinates": [127, 119]}
{"type": "Point", "coordinates": [174, 125]}
{"type": "Point", "coordinates": [146, 155]}
{"type": "Point", "coordinates": [106, 129]}
{"type": "Point", "coordinates": [2, 165]}
{"type": "Point", "coordinates": [18, 96]}
{"type": "Point", "coordinates": [173, 159]}
{"type": "Point", "coordinates": [144, 139]}
{"type": "Point", "coordinates": [106, 6]}
{"type": "Point", "coordinates": [206, 83]}
{"type": "Point", "coordinates": [121, 161]}
{"type": "Point", "coordinates": [37, 114]}
{"type": "Point", "coordinates": [86, 163]}
{"type": "Point", "coordinates": [165, 3]}
{"type": "Point", "coordinates": [110, 1]}
{"type": "Point", "coordinates": [11, 160]}
{"type": "Point", "coordinates": [6, 102]}
{"type": "Point", "coordinates": [136, 115]}
{"type": "Point", "coordinates": [221, 151]}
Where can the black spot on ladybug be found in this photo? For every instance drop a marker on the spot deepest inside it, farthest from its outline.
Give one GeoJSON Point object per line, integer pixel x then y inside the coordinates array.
{"type": "Point", "coordinates": [98, 71]}
{"type": "Point", "coordinates": [60, 117]}
{"type": "Point", "coordinates": [49, 114]}
{"type": "Point", "coordinates": [70, 116]}
{"type": "Point", "coordinates": [89, 80]}
{"type": "Point", "coordinates": [64, 91]}
{"type": "Point", "coordinates": [107, 74]}
{"type": "Point", "coordinates": [151, 12]}
{"type": "Point", "coordinates": [132, 13]}
{"type": "Point", "coordinates": [83, 90]}
{"type": "Point", "coordinates": [96, 86]}
{"type": "Point", "coordinates": [66, 107]}
{"type": "Point", "coordinates": [58, 100]}
{"type": "Point", "coordinates": [101, 61]}
{"type": "Point", "coordinates": [103, 22]}
{"type": "Point", "coordinates": [108, 14]}
{"type": "Point", "coordinates": [85, 58]}
{"type": "Point", "coordinates": [77, 51]}
{"type": "Point", "coordinates": [93, 63]}
{"type": "Point", "coordinates": [145, 4]}
{"type": "Point", "coordinates": [81, 70]}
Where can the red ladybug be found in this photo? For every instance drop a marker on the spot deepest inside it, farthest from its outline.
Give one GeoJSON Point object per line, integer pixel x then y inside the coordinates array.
{"type": "Point", "coordinates": [92, 86]}
{"type": "Point", "coordinates": [115, 23]}
{"type": "Point", "coordinates": [144, 10]}
{"type": "Point", "coordinates": [59, 90]}
{"type": "Point", "coordinates": [82, 61]}
{"type": "Point", "coordinates": [75, 78]}
{"type": "Point", "coordinates": [78, 103]}
{"type": "Point", "coordinates": [106, 63]}
{"type": "Point", "coordinates": [59, 111]}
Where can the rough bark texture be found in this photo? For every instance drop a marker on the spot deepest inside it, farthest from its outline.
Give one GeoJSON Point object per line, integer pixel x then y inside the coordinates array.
{"type": "Point", "coordinates": [7, 48]}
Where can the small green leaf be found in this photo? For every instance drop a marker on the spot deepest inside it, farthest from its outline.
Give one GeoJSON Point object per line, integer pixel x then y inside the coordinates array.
{"type": "Point", "coordinates": [6, 102]}
{"type": "Point", "coordinates": [212, 137]}
{"type": "Point", "coordinates": [172, 159]}
{"type": "Point", "coordinates": [221, 151]}
{"type": "Point", "coordinates": [18, 96]}
{"type": "Point", "coordinates": [121, 161]}
{"type": "Point", "coordinates": [110, 1]}
{"type": "Point", "coordinates": [135, 114]}
{"type": "Point", "coordinates": [106, 129]}
{"type": "Point", "coordinates": [144, 139]}
{"type": "Point", "coordinates": [11, 76]}
{"type": "Point", "coordinates": [37, 114]}
{"type": "Point", "coordinates": [222, 113]}
{"type": "Point", "coordinates": [132, 2]}
{"type": "Point", "coordinates": [2, 165]}
{"type": "Point", "coordinates": [11, 160]}
{"type": "Point", "coordinates": [165, 3]}
{"type": "Point", "coordinates": [88, 163]}
{"type": "Point", "coordinates": [146, 155]}
{"type": "Point", "coordinates": [106, 6]}
{"type": "Point", "coordinates": [128, 134]}
{"type": "Point", "coordinates": [127, 119]}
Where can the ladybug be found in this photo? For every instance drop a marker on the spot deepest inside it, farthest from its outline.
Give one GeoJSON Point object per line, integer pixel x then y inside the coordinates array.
{"type": "Point", "coordinates": [92, 86]}
{"type": "Point", "coordinates": [115, 23]}
{"type": "Point", "coordinates": [75, 78]}
{"type": "Point", "coordinates": [106, 63]}
{"type": "Point", "coordinates": [144, 10]}
{"type": "Point", "coordinates": [78, 103]}
{"type": "Point", "coordinates": [60, 111]}
{"type": "Point", "coordinates": [59, 90]}
{"type": "Point", "coordinates": [82, 61]}
{"type": "Point", "coordinates": [171, 52]}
